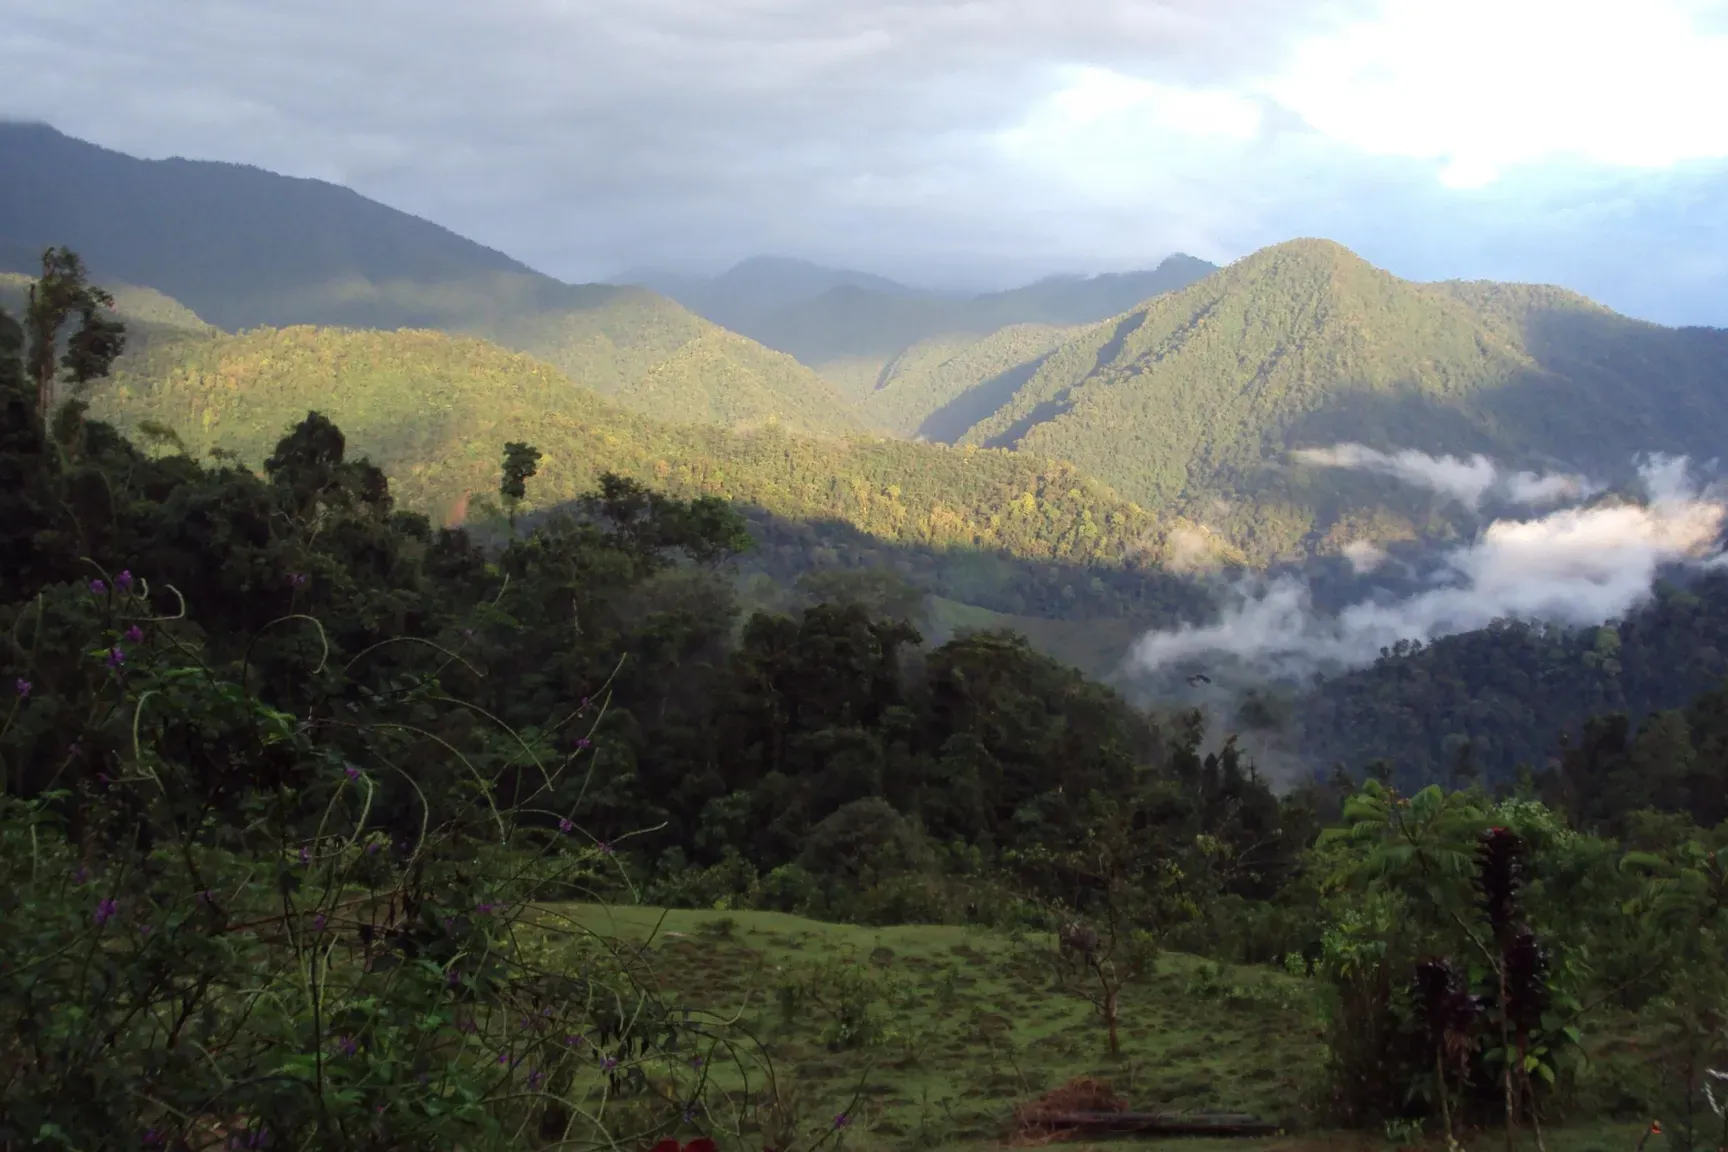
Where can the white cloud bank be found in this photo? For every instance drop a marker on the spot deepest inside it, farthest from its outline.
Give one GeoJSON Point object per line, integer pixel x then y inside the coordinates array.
{"type": "Point", "coordinates": [1579, 565]}
{"type": "Point", "coordinates": [1467, 481]}
{"type": "Point", "coordinates": [1472, 87]}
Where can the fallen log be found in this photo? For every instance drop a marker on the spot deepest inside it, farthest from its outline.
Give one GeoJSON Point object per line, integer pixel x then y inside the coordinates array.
{"type": "Point", "coordinates": [1126, 1123]}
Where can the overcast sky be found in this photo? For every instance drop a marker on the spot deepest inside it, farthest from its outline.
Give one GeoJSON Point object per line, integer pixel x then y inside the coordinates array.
{"type": "Point", "coordinates": [1580, 142]}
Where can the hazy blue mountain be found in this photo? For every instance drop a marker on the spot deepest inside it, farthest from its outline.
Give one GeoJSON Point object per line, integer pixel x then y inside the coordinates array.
{"type": "Point", "coordinates": [242, 247]}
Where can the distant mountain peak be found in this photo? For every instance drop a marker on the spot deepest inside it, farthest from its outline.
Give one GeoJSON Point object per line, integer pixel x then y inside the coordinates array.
{"type": "Point", "coordinates": [1308, 249]}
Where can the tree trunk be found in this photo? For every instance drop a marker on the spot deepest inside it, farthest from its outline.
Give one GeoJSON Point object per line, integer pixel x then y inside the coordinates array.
{"type": "Point", "coordinates": [1506, 1054]}
{"type": "Point", "coordinates": [1110, 995]}
{"type": "Point", "coordinates": [1440, 1082]}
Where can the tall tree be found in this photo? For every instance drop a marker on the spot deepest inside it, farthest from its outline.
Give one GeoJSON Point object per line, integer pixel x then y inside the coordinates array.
{"type": "Point", "coordinates": [61, 295]}
{"type": "Point", "coordinates": [521, 462]}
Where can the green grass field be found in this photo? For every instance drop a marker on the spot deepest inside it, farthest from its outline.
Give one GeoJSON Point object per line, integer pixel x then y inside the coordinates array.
{"type": "Point", "coordinates": [958, 1025]}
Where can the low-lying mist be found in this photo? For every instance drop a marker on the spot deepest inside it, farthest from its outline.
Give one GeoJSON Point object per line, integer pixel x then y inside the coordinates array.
{"type": "Point", "coordinates": [1594, 558]}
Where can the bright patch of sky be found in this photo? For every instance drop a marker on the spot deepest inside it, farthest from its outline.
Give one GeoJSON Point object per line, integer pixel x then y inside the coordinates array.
{"type": "Point", "coordinates": [1476, 88]}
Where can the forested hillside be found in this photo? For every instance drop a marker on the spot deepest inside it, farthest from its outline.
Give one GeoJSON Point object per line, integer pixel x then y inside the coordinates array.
{"type": "Point", "coordinates": [977, 524]}
{"type": "Point", "coordinates": [938, 388]}
{"type": "Point", "coordinates": [242, 247]}
{"type": "Point", "coordinates": [1481, 704]}
{"type": "Point", "coordinates": [148, 314]}
{"type": "Point", "coordinates": [1193, 401]}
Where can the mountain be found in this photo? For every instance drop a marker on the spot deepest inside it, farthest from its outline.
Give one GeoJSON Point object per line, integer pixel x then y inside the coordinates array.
{"type": "Point", "coordinates": [1191, 402]}
{"type": "Point", "coordinates": [239, 245]}
{"type": "Point", "coordinates": [434, 411]}
{"type": "Point", "coordinates": [850, 324]}
{"type": "Point", "coordinates": [855, 322]}
{"type": "Point", "coordinates": [243, 247]}
{"type": "Point", "coordinates": [758, 287]}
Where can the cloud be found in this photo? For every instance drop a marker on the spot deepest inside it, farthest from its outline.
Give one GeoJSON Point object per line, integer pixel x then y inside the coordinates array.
{"type": "Point", "coordinates": [580, 132]}
{"type": "Point", "coordinates": [1579, 565]}
{"type": "Point", "coordinates": [1480, 86]}
{"type": "Point", "coordinates": [1001, 138]}
{"type": "Point", "coordinates": [1467, 481]}
{"type": "Point", "coordinates": [1364, 555]}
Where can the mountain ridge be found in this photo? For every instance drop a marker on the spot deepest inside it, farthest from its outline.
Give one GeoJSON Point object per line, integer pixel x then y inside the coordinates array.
{"type": "Point", "coordinates": [243, 247]}
{"type": "Point", "coordinates": [1196, 398]}
{"type": "Point", "coordinates": [849, 325]}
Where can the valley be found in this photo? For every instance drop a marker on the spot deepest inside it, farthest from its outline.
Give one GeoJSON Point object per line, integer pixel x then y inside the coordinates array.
{"type": "Point", "coordinates": [790, 708]}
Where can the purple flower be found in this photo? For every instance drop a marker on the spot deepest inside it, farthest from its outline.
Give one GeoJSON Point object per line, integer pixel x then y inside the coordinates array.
{"type": "Point", "coordinates": [584, 701]}
{"type": "Point", "coordinates": [535, 1077]}
{"type": "Point", "coordinates": [97, 587]}
{"type": "Point", "coordinates": [565, 825]}
{"type": "Point", "coordinates": [607, 1063]}
{"type": "Point", "coordinates": [605, 848]}
{"type": "Point", "coordinates": [105, 910]}
{"type": "Point", "coordinates": [347, 1046]}
{"type": "Point", "coordinates": [135, 634]}
{"type": "Point", "coordinates": [305, 855]}
{"type": "Point", "coordinates": [207, 897]}
{"type": "Point", "coordinates": [453, 977]}
{"type": "Point", "coordinates": [152, 1136]}
{"type": "Point", "coordinates": [575, 1041]}
{"type": "Point", "coordinates": [504, 1058]}
{"type": "Point", "coordinates": [353, 772]}
{"type": "Point", "coordinates": [372, 848]}
{"type": "Point", "coordinates": [690, 1115]}
{"type": "Point", "coordinates": [297, 579]}
{"type": "Point", "coordinates": [21, 686]}
{"type": "Point", "coordinates": [485, 908]}
{"type": "Point", "coordinates": [124, 580]}
{"type": "Point", "coordinates": [842, 1120]}
{"type": "Point", "coordinates": [584, 742]}
{"type": "Point", "coordinates": [318, 922]}
{"type": "Point", "coordinates": [116, 657]}
{"type": "Point", "coordinates": [695, 1061]}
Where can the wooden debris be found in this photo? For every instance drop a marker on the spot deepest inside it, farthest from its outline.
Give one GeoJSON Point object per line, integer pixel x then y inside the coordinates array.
{"type": "Point", "coordinates": [1085, 1108]}
{"type": "Point", "coordinates": [1080, 1124]}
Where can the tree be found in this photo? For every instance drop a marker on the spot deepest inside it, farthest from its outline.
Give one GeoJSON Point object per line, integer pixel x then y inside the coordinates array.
{"type": "Point", "coordinates": [61, 294]}
{"type": "Point", "coordinates": [521, 462]}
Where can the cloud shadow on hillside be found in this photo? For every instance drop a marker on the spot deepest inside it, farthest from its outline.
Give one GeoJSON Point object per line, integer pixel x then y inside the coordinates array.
{"type": "Point", "coordinates": [1603, 390]}
{"type": "Point", "coordinates": [978, 403]}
